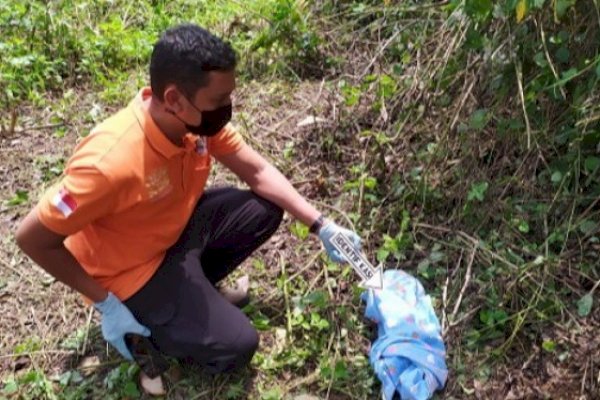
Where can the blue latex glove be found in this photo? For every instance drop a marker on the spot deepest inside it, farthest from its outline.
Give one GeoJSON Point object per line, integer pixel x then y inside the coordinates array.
{"type": "Point", "coordinates": [117, 321]}
{"type": "Point", "coordinates": [327, 232]}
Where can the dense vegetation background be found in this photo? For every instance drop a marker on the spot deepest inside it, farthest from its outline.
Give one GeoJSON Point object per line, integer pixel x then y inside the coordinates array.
{"type": "Point", "coordinates": [460, 138]}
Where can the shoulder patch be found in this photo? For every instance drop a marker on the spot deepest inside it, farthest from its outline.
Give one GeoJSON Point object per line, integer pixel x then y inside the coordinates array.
{"type": "Point", "coordinates": [65, 203]}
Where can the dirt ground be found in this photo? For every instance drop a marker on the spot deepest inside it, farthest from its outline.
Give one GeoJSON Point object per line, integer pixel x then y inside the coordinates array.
{"type": "Point", "coordinates": [39, 314]}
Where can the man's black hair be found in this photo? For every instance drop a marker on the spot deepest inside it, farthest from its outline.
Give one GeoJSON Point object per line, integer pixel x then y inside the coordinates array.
{"type": "Point", "coordinates": [184, 55]}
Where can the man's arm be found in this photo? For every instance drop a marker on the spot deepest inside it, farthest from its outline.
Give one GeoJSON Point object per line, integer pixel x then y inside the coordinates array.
{"type": "Point", "coordinates": [46, 248]}
{"type": "Point", "coordinates": [265, 180]}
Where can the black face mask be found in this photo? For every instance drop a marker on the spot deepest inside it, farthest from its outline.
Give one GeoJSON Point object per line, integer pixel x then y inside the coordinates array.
{"type": "Point", "coordinates": [212, 121]}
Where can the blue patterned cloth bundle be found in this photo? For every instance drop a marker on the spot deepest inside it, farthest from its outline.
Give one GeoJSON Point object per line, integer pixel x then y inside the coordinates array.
{"type": "Point", "coordinates": [408, 355]}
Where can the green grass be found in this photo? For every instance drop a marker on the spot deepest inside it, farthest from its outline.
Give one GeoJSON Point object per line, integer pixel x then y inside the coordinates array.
{"type": "Point", "coordinates": [461, 144]}
{"type": "Point", "coordinates": [105, 43]}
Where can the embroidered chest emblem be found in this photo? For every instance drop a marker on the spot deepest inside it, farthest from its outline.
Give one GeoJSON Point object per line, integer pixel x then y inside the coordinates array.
{"type": "Point", "coordinates": [201, 147]}
{"type": "Point", "coordinates": [158, 183]}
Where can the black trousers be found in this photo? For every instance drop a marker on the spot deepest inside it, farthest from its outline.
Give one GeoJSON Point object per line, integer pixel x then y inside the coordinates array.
{"type": "Point", "coordinates": [187, 316]}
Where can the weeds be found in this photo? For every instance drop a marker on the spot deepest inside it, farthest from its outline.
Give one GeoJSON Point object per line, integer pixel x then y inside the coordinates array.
{"type": "Point", "coordinates": [460, 138]}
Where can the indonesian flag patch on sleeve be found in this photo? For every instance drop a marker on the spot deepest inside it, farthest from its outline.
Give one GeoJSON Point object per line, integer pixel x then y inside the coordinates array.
{"type": "Point", "coordinates": [64, 202]}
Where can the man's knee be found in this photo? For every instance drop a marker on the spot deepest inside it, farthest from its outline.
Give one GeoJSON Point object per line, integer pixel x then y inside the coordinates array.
{"type": "Point", "coordinates": [247, 343]}
{"type": "Point", "coordinates": [237, 356]}
{"type": "Point", "coordinates": [271, 213]}
{"type": "Point", "coordinates": [243, 349]}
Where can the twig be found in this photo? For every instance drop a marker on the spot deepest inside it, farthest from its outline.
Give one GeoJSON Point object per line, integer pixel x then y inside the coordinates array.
{"type": "Point", "coordinates": [579, 73]}
{"type": "Point", "coordinates": [38, 324]}
{"type": "Point", "coordinates": [379, 52]}
{"type": "Point", "coordinates": [590, 208]}
{"type": "Point", "coordinates": [569, 227]}
{"type": "Point", "coordinates": [32, 353]}
{"type": "Point", "coordinates": [595, 3]}
{"type": "Point", "coordinates": [274, 128]}
{"type": "Point", "coordinates": [467, 239]}
{"type": "Point", "coordinates": [591, 292]}
{"type": "Point", "coordinates": [326, 274]}
{"type": "Point", "coordinates": [13, 122]}
{"type": "Point", "coordinates": [292, 277]}
{"type": "Point", "coordinates": [16, 271]}
{"type": "Point", "coordinates": [468, 315]}
{"type": "Point", "coordinates": [308, 265]}
{"type": "Point", "coordinates": [361, 188]}
{"type": "Point", "coordinates": [522, 97]}
{"type": "Point", "coordinates": [583, 379]}
{"type": "Point", "coordinates": [307, 380]}
{"type": "Point", "coordinates": [445, 294]}
{"type": "Point", "coordinates": [461, 104]}
{"type": "Point", "coordinates": [286, 296]}
{"type": "Point", "coordinates": [87, 330]}
{"type": "Point", "coordinates": [335, 357]}
{"type": "Point", "coordinates": [521, 317]}
{"type": "Point", "coordinates": [314, 282]}
{"type": "Point", "coordinates": [465, 284]}
{"type": "Point", "coordinates": [445, 303]}
{"type": "Point", "coordinates": [552, 68]}
{"type": "Point", "coordinates": [586, 121]}
{"type": "Point", "coordinates": [339, 211]}
{"type": "Point", "coordinates": [39, 127]}
{"type": "Point", "coordinates": [530, 359]}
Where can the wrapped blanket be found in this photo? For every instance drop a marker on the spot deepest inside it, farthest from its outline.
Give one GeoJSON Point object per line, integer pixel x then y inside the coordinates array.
{"type": "Point", "coordinates": [409, 354]}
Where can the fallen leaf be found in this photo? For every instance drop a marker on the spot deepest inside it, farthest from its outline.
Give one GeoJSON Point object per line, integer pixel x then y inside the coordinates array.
{"type": "Point", "coordinates": [521, 10]}
{"type": "Point", "coordinates": [310, 120]}
{"type": "Point", "coordinates": [584, 305]}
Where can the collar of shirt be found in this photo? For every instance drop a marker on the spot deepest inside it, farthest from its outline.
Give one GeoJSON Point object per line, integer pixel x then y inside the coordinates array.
{"type": "Point", "coordinates": [155, 136]}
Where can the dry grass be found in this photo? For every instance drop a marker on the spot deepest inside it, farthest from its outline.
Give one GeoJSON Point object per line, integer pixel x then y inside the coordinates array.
{"type": "Point", "coordinates": [487, 261]}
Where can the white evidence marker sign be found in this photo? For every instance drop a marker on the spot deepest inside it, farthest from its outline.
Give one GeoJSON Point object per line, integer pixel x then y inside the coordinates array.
{"type": "Point", "coordinates": [372, 278]}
